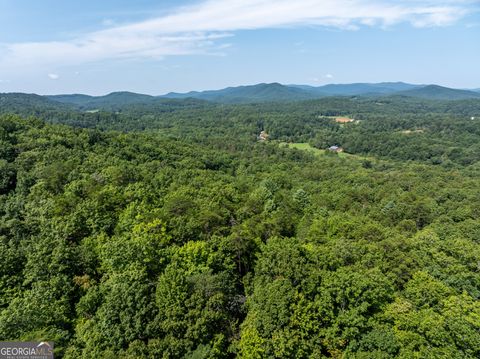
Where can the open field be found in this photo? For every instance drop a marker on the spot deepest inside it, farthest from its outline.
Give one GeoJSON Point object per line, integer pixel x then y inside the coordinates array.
{"type": "Point", "coordinates": [307, 147]}
{"type": "Point", "coordinates": [304, 147]}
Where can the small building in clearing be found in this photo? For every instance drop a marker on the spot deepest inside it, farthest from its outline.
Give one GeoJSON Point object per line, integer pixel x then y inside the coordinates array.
{"type": "Point", "coordinates": [336, 149]}
{"type": "Point", "coordinates": [263, 136]}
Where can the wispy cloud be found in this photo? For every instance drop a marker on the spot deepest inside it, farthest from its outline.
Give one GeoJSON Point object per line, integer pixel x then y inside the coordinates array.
{"type": "Point", "coordinates": [197, 29]}
{"type": "Point", "coordinates": [322, 78]}
{"type": "Point", "coordinates": [108, 22]}
{"type": "Point", "coordinates": [53, 76]}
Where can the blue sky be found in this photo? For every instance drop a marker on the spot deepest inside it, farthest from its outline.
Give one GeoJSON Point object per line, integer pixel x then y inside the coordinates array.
{"type": "Point", "coordinates": [95, 47]}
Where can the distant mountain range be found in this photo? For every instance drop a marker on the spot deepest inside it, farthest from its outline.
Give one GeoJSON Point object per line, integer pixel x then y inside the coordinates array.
{"type": "Point", "coordinates": [119, 100]}
{"type": "Point", "coordinates": [273, 92]}
{"type": "Point", "coordinates": [358, 89]}
{"type": "Point", "coordinates": [246, 94]}
{"type": "Point", "coordinates": [28, 103]}
{"type": "Point", "coordinates": [436, 92]}
{"type": "Point", "coordinates": [278, 92]}
{"type": "Point", "coordinates": [125, 98]}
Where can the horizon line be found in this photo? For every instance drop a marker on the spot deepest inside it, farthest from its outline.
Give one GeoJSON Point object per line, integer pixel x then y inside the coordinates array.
{"type": "Point", "coordinates": [235, 86]}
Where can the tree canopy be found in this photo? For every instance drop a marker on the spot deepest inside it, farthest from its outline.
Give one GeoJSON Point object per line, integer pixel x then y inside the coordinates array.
{"type": "Point", "coordinates": [174, 232]}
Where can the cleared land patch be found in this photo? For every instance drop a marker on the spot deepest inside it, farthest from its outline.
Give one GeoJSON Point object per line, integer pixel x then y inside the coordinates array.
{"type": "Point", "coordinates": [343, 119]}
{"type": "Point", "coordinates": [407, 132]}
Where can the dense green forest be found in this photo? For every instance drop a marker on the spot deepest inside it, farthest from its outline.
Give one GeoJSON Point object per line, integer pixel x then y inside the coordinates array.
{"type": "Point", "coordinates": [168, 230]}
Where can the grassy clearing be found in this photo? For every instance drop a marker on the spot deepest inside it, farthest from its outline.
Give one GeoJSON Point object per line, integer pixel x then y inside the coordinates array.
{"type": "Point", "coordinates": [318, 152]}
{"type": "Point", "coordinates": [304, 147]}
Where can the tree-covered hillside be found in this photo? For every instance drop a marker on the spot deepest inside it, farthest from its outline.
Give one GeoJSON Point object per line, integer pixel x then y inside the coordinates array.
{"type": "Point", "coordinates": [171, 231]}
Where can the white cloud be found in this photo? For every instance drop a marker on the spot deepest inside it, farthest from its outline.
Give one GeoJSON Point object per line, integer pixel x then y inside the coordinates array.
{"type": "Point", "coordinates": [108, 22]}
{"type": "Point", "coordinates": [197, 29]}
{"type": "Point", "coordinates": [53, 76]}
{"type": "Point", "coordinates": [322, 78]}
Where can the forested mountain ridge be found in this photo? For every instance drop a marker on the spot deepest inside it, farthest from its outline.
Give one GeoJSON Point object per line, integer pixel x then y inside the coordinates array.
{"type": "Point", "coordinates": [261, 93]}
{"type": "Point", "coordinates": [77, 99]}
{"type": "Point", "coordinates": [395, 128]}
{"type": "Point", "coordinates": [28, 103]}
{"type": "Point", "coordinates": [168, 230]}
{"type": "Point", "coordinates": [439, 93]}
{"type": "Point", "coordinates": [277, 92]}
{"type": "Point", "coordinates": [121, 98]}
{"type": "Point", "coordinates": [359, 88]}
{"type": "Point", "coordinates": [273, 92]}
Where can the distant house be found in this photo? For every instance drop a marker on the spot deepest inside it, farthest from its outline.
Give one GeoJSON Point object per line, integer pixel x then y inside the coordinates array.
{"type": "Point", "coordinates": [263, 136]}
{"type": "Point", "coordinates": [336, 149]}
